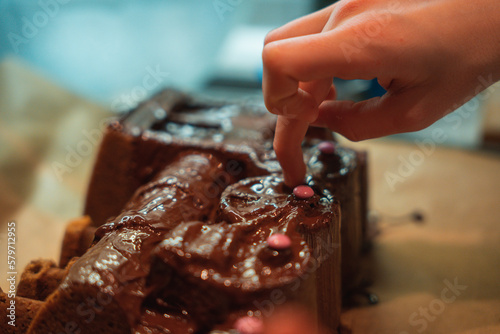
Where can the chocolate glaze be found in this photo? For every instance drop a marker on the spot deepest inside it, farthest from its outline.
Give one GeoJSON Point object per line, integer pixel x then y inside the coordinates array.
{"type": "Point", "coordinates": [121, 259]}
{"type": "Point", "coordinates": [197, 196]}
{"type": "Point", "coordinates": [138, 146]}
{"type": "Point", "coordinates": [215, 254]}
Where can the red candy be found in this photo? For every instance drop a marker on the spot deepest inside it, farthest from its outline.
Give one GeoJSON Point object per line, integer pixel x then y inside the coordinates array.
{"type": "Point", "coordinates": [327, 147]}
{"type": "Point", "coordinates": [249, 325]}
{"type": "Point", "coordinates": [279, 241]}
{"type": "Point", "coordinates": [303, 192]}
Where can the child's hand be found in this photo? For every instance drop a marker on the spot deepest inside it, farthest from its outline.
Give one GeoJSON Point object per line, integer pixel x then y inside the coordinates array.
{"type": "Point", "coordinates": [430, 56]}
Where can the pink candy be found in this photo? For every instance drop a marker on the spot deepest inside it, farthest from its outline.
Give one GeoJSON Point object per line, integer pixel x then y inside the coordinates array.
{"type": "Point", "coordinates": [303, 192]}
{"type": "Point", "coordinates": [327, 147]}
{"type": "Point", "coordinates": [249, 325]}
{"type": "Point", "coordinates": [279, 241]}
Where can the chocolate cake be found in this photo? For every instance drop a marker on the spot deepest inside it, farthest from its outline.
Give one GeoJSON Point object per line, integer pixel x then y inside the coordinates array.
{"type": "Point", "coordinates": [195, 231]}
{"type": "Point", "coordinates": [17, 316]}
{"type": "Point", "coordinates": [39, 279]}
{"type": "Point", "coordinates": [137, 146]}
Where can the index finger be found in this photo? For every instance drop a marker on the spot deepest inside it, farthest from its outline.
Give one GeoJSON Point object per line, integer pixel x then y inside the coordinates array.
{"type": "Point", "coordinates": [288, 147]}
{"type": "Point", "coordinates": [307, 58]}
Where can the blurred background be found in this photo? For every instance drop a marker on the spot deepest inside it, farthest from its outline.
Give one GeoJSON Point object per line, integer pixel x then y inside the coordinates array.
{"type": "Point", "coordinates": [103, 49]}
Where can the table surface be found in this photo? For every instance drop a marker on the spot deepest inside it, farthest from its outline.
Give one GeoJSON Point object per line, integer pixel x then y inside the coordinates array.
{"type": "Point", "coordinates": [457, 190]}
{"type": "Point", "coordinates": [459, 242]}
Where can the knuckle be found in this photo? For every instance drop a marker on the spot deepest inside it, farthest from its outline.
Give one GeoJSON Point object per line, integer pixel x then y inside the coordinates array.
{"type": "Point", "coordinates": [347, 8]}
{"type": "Point", "coordinates": [274, 110]}
{"type": "Point", "coordinates": [270, 105]}
{"type": "Point", "coordinates": [274, 107]}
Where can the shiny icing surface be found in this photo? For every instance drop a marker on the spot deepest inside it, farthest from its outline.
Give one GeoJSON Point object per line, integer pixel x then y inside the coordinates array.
{"type": "Point", "coordinates": [232, 253]}
{"type": "Point", "coordinates": [190, 247]}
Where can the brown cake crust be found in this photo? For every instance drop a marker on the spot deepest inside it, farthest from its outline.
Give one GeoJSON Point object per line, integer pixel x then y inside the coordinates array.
{"type": "Point", "coordinates": [39, 279]}
{"type": "Point", "coordinates": [25, 311]}
{"type": "Point", "coordinates": [77, 239]}
{"type": "Point", "coordinates": [79, 311]}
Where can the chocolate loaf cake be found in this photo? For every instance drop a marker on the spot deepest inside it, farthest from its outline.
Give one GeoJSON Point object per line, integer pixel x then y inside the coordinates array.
{"type": "Point", "coordinates": [196, 231]}
{"type": "Point", "coordinates": [137, 146]}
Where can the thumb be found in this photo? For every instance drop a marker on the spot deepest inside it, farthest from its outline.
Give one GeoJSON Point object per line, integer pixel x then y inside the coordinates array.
{"type": "Point", "coordinates": [377, 117]}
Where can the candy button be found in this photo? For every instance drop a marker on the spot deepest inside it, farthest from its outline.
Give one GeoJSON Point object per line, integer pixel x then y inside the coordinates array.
{"type": "Point", "coordinates": [327, 147]}
{"type": "Point", "coordinates": [249, 325]}
{"type": "Point", "coordinates": [303, 192]}
{"type": "Point", "coordinates": [279, 241]}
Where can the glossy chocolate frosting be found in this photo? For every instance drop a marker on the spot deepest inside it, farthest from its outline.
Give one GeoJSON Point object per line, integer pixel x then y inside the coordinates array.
{"type": "Point", "coordinates": [199, 193]}
{"type": "Point", "coordinates": [191, 244]}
